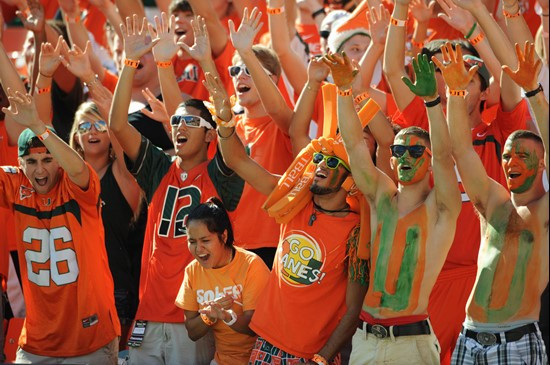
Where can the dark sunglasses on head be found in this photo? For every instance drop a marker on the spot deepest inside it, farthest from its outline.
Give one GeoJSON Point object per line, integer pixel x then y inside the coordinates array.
{"type": "Point", "coordinates": [86, 126]}
{"type": "Point", "coordinates": [415, 151]}
{"type": "Point", "coordinates": [332, 162]}
{"type": "Point", "coordinates": [192, 121]}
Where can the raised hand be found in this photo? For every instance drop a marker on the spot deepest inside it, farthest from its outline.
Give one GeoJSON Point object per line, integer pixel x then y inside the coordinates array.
{"type": "Point", "coordinates": [78, 61]}
{"type": "Point", "coordinates": [421, 11]}
{"type": "Point", "coordinates": [378, 24]}
{"type": "Point", "coordinates": [158, 110]}
{"type": "Point", "coordinates": [526, 76]}
{"type": "Point", "coordinates": [50, 57]}
{"type": "Point", "coordinates": [469, 5]}
{"type": "Point", "coordinates": [34, 19]}
{"type": "Point", "coordinates": [22, 108]}
{"type": "Point", "coordinates": [457, 17]}
{"type": "Point", "coordinates": [103, 98]}
{"type": "Point", "coordinates": [165, 48]}
{"type": "Point", "coordinates": [317, 70]}
{"type": "Point", "coordinates": [136, 41]}
{"type": "Point", "coordinates": [425, 84]}
{"type": "Point", "coordinates": [219, 97]}
{"type": "Point", "coordinates": [453, 69]}
{"type": "Point", "coordinates": [343, 71]}
{"type": "Point", "coordinates": [243, 38]}
{"type": "Point", "coordinates": [200, 50]}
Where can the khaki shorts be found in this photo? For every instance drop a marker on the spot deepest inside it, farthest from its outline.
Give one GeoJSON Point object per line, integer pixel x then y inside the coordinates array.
{"type": "Point", "coordinates": [108, 354]}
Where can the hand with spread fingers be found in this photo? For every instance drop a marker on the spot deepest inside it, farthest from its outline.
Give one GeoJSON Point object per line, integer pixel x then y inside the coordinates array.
{"type": "Point", "coordinates": [22, 108]}
{"type": "Point", "coordinates": [243, 38]}
{"type": "Point", "coordinates": [425, 84]}
{"type": "Point", "coordinates": [78, 61]}
{"type": "Point", "coordinates": [103, 98]}
{"type": "Point", "coordinates": [136, 40]}
{"type": "Point", "coordinates": [421, 11]}
{"type": "Point", "coordinates": [165, 48]}
{"type": "Point", "coordinates": [453, 68]}
{"type": "Point", "coordinates": [158, 109]}
{"type": "Point", "coordinates": [317, 70]}
{"type": "Point", "coordinates": [201, 50]}
{"type": "Point", "coordinates": [457, 17]}
{"type": "Point", "coordinates": [342, 69]}
{"type": "Point", "coordinates": [378, 24]}
{"type": "Point", "coordinates": [33, 20]}
{"type": "Point", "coordinates": [529, 65]}
{"type": "Point", "coordinates": [219, 97]}
{"type": "Point", "coordinates": [50, 57]}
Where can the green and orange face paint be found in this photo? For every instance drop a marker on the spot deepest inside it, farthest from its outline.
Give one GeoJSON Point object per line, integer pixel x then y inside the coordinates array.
{"type": "Point", "coordinates": [520, 166]}
{"type": "Point", "coordinates": [408, 169]}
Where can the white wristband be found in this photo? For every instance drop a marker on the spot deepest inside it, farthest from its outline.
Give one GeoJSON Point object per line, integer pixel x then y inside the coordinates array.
{"type": "Point", "coordinates": [233, 318]}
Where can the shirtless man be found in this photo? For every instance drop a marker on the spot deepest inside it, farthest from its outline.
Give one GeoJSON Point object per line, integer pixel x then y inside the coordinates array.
{"type": "Point", "coordinates": [503, 308]}
{"type": "Point", "coordinates": [413, 224]}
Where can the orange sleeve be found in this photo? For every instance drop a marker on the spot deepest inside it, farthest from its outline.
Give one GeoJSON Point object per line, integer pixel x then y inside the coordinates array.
{"type": "Point", "coordinates": [110, 80]}
{"type": "Point", "coordinates": [413, 115]}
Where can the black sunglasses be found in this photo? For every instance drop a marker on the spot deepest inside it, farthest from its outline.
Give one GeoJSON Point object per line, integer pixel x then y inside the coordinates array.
{"type": "Point", "coordinates": [331, 161]}
{"type": "Point", "coordinates": [415, 151]}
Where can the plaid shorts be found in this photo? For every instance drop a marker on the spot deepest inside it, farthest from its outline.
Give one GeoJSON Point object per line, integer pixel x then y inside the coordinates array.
{"type": "Point", "coordinates": [265, 353]}
{"type": "Point", "coordinates": [529, 349]}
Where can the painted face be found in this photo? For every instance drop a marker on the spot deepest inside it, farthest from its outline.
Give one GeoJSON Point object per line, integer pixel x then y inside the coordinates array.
{"type": "Point", "coordinates": [207, 247]}
{"type": "Point", "coordinates": [409, 169]}
{"type": "Point", "coordinates": [520, 163]}
{"type": "Point", "coordinates": [42, 170]}
{"type": "Point", "coordinates": [327, 179]}
{"type": "Point", "coordinates": [188, 141]}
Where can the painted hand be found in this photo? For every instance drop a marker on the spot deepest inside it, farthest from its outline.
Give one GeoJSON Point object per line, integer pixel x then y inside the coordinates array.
{"type": "Point", "coordinates": [343, 71]}
{"type": "Point", "coordinates": [526, 76]}
{"type": "Point", "coordinates": [453, 68]}
{"type": "Point", "coordinates": [425, 85]}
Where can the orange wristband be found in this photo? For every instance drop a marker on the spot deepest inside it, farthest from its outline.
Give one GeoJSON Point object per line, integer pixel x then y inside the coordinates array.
{"type": "Point", "coordinates": [359, 98]}
{"type": "Point", "coordinates": [275, 11]}
{"type": "Point", "coordinates": [44, 135]}
{"type": "Point", "coordinates": [344, 92]}
{"type": "Point", "coordinates": [164, 64]}
{"type": "Point", "coordinates": [398, 22]}
{"type": "Point", "coordinates": [462, 93]}
{"type": "Point", "coordinates": [417, 44]}
{"type": "Point", "coordinates": [510, 15]}
{"type": "Point", "coordinates": [70, 20]}
{"type": "Point", "coordinates": [131, 63]}
{"type": "Point", "coordinates": [320, 360]}
{"type": "Point", "coordinates": [207, 320]}
{"type": "Point", "coordinates": [478, 38]}
{"type": "Point", "coordinates": [43, 90]}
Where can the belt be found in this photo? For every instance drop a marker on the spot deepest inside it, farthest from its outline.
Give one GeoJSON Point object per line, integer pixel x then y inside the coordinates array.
{"type": "Point", "coordinates": [488, 338]}
{"type": "Point", "coordinates": [410, 329]}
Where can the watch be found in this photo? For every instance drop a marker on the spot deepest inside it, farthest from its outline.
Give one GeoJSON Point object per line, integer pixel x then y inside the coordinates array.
{"type": "Point", "coordinates": [233, 318]}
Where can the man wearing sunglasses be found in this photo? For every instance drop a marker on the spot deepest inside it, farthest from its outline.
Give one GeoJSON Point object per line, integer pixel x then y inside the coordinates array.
{"type": "Point", "coordinates": [413, 224]}
{"type": "Point", "coordinates": [173, 187]}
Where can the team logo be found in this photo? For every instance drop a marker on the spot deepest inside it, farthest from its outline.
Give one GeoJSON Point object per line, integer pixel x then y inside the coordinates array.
{"type": "Point", "coordinates": [9, 169]}
{"type": "Point", "coordinates": [25, 192]}
{"type": "Point", "coordinates": [191, 73]}
{"type": "Point", "coordinates": [301, 260]}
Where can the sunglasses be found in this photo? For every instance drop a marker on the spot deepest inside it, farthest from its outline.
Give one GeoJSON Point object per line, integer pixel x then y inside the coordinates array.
{"type": "Point", "coordinates": [85, 127]}
{"type": "Point", "coordinates": [415, 151]}
{"type": "Point", "coordinates": [235, 71]}
{"type": "Point", "coordinates": [332, 162]}
{"type": "Point", "coordinates": [192, 121]}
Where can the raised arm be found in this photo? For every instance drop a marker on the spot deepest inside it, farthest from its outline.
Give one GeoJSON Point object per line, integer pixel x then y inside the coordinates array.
{"type": "Point", "coordinates": [447, 195]}
{"type": "Point", "coordinates": [135, 46]}
{"type": "Point", "coordinates": [317, 71]}
{"type": "Point", "coordinates": [48, 64]}
{"type": "Point", "coordinates": [368, 178]}
{"type": "Point", "coordinates": [110, 12]}
{"type": "Point", "coordinates": [216, 30]}
{"type": "Point", "coordinates": [516, 27]}
{"type": "Point", "coordinates": [233, 152]}
{"type": "Point", "coordinates": [477, 183]}
{"type": "Point", "coordinates": [422, 13]}
{"type": "Point", "coordinates": [394, 55]}
{"type": "Point", "coordinates": [23, 110]}
{"type": "Point", "coordinates": [526, 77]}
{"type": "Point", "coordinates": [272, 100]}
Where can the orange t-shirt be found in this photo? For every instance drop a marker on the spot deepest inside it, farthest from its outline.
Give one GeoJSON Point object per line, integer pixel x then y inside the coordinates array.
{"type": "Point", "coordinates": [244, 279]}
{"type": "Point", "coordinates": [8, 157]}
{"type": "Point", "coordinates": [190, 76]}
{"type": "Point", "coordinates": [66, 278]}
{"type": "Point", "coordinates": [304, 298]}
{"type": "Point", "coordinates": [270, 147]}
{"type": "Point", "coordinates": [310, 34]}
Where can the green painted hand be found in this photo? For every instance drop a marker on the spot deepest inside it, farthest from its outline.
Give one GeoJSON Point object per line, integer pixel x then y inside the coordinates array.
{"type": "Point", "coordinates": [425, 85]}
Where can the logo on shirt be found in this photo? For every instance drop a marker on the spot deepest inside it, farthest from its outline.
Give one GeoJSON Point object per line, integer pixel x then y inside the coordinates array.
{"type": "Point", "coordinates": [25, 192]}
{"type": "Point", "coordinates": [205, 296]}
{"type": "Point", "coordinates": [9, 169]}
{"type": "Point", "coordinates": [301, 260]}
{"type": "Point", "coordinates": [190, 73]}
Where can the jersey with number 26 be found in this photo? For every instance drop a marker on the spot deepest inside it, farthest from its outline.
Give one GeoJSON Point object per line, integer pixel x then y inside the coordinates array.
{"type": "Point", "coordinates": [66, 278]}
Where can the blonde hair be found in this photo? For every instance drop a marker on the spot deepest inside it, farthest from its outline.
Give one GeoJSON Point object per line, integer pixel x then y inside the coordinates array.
{"type": "Point", "coordinates": [88, 108]}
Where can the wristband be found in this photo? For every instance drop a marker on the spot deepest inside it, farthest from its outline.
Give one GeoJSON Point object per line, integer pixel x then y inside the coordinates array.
{"type": "Point", "coordinates": [478, 38]}
{"type": "Point", "coordinates": [359, 98]}
{"type": "Point", "coordinates": [275, 11]}
{"type": "Point", "coordinates": [70, 20]}
{"type": "Point", "coordinates": [417, 44]}
{"type": "Point", "coordinates": [462, 93]}
{"type": "Point", "coordinates": [229, 136]}
{"type": "Point", "coordinates": [344, 92]}
{"type": "Point", "coordinates": [131, 63]}
{"type": "Point", "coordinates": [430, 104]}
{"type": "Point", "coordinates": [398, 22]}
{"type": "Point", "coordinates": [320, 360]}
{"type": "Point", "coordinates": [316, 13]}
{"type": "Point", "coordinates": [43, 90]}
{"type": "Point", "coordinates": [510, 15]}
{"type": "Point", "coordinates": [164, 64]}
{"type": "Point", "coordinates": [207, 320]}
{"type": "Point", "coordinates": [233, 318]}
{"type": "Point", "coordinates": [471, 31]}
{"type": "Point", "coordinates": [531, 93]}
{"type": "Point", "coordinates": [44, 135]}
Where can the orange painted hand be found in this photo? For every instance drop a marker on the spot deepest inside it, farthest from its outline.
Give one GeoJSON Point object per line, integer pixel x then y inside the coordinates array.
{"type": "Point", "coordinates": [453, 68]}
{"type": "Point", "coordinates": [526, 76]}
{"type": "Point", "coordinates": [343, 71]}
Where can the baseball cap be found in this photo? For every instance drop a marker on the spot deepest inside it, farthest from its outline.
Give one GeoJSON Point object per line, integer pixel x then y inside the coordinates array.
{"type": "Point", "coordinates": [29, 142]}
{"type": "Point", "coordinates": [482, 70]}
